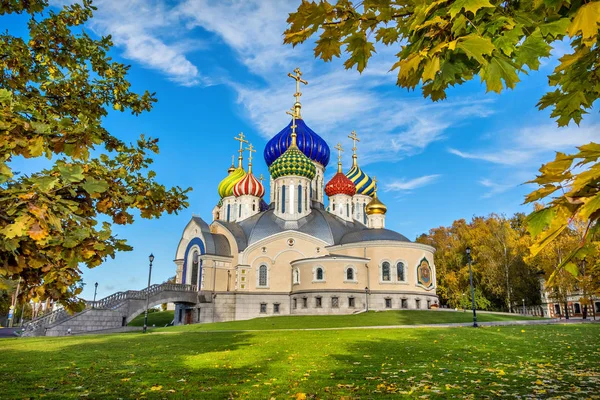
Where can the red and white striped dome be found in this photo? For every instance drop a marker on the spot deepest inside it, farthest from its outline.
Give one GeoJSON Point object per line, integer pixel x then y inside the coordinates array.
{"type": "Point", "coordinates": [249, 186]}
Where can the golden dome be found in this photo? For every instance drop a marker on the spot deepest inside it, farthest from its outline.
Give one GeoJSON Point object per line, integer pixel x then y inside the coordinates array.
{"type": "Point", "coordinates": [375, 206]}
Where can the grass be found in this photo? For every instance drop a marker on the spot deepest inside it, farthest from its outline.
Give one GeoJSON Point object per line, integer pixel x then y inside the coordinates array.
{"type": "Point", "coordinates": [510, 361]}
{"type": "Point", "coordinates": [158, 318]}
{"type": "Point", "coordinates": [385, 318]}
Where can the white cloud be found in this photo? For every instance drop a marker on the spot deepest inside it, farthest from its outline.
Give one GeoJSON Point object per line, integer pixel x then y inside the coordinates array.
{"type": "Point", "coordinates": [149, 32]}
{"type": "Point", "coordinates": [494, 187]}
{"type": "Point", "coordinates": [506, 157]}
{"type": "Point", "coordinates": [158, 34]}
{"type": "Point", "coordinates": [410, 184]}
{"type": "Point", "coordinates": [531, 145]}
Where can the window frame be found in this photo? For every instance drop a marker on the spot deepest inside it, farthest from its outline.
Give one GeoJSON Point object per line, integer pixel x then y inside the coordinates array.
{"type": "Point", "coordinates": [354, 274]}
{"type": "Point", "coordinates": [263, 306]}
{"type": "Point", "coordinates": [267, 272]}
{"type": "Point", "coordinates": [315, 274]}
{"type": "Point", "coordinates": [381, 264]}
{"type": "Point", "coordinates": [404, 263]}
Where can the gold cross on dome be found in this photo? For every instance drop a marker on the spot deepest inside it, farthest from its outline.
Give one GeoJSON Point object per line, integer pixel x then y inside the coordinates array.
{"type": "Point", "coordinates": [250, 150]}
{"type": "Point", "coordinates": [298, 78]}
{"type": "Point", "coordinates": [261, 178]}
{"type": "Point", "coordinates": [241, 138]}
{"type": "Point", "coordinates": [375, 182]}
{"type": "Point", "coordinates": [355, 139]}
{"type": "Point", "coordinates": [294, 115]}
{"type": "Point", "coordinates": [338, 147]}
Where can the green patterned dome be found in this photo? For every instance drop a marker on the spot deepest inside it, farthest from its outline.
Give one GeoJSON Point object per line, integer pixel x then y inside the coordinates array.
{"type": "Point", "coordinates": [293, 163]}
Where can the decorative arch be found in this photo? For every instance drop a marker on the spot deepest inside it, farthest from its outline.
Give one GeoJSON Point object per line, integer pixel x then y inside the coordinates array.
{"type": "Point", "coordinates": [193, 243]}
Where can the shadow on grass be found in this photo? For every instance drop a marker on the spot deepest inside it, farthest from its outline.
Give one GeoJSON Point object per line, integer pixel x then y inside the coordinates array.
{"type": "Point", "coordinates": [123, 366]}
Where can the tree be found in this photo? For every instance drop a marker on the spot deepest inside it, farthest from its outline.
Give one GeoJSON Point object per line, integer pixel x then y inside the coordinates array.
{"type": "Point", "coordinates": [500, 272]}
{"type": "Point", "coordinates": [56, 86]}
{"type": "Point", "coordinates": [446, 43]}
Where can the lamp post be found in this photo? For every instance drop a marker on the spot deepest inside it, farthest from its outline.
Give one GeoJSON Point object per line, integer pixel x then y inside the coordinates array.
{"type": "Point", "coordinates": [151, 258]}
{"type": "Point", "coordinates": [367, 298]}
{"type": "Point", "coordinates": [95, 291]}
{"type": "Point", "coordinates": [523, 306]}
{"type": "Point", "coordinates": [472, 289]}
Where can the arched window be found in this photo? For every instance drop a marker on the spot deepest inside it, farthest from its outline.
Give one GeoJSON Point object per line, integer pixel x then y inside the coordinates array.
{"type": "Point", "coordinates": [283, 199]}
{"type": "Point", "coordinates": [239, 211]}
{"type": "Point", "coordinates": [350, 274]}
{"type": "Point", "coordinates": [400, 271]}
{"type": "Point", "coordinates": [385, 271]}
{"type": "Point", "coordinates": [299, 198]}
{"type": "Point", "coordinates": [364, 210]}
{"type": "Point", "coordinates": [333, 206]}
{"type": "Point", "coordinates": [319, 274]}
{"type": "Point", "coordinates": [195, 264]}
{"type": "Point", "coordinates": [228, 212]}
{"type": "Point", "coordinates": [262, 275]}
{"type": "Point", "coordinates": [296, 275]}
{"type": "Point", "coordinates": [254, 205]}
{"type": "Point", "coordinates": [347, 210]}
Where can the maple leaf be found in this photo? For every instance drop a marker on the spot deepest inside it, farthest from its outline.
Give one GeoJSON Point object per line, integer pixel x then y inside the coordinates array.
{"type": "Point", "coordinates": [499, 69]}
{"type": "Point", "coordinates": [476, 47]}
{"type": "Point", "coordinates": [360, 49]}
{"type": "Point", "coordinates": [586, 22]}
{"type": "Point", "coordinates": [469, 6]}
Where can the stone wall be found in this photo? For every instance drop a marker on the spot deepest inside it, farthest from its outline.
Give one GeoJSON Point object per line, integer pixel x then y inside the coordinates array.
{"type": "Point", "coordinates": [89, 321]}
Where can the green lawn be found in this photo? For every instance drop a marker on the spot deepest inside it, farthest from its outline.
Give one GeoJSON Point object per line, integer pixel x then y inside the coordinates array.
{"type": "Point", "coordinates": [160, 318]}
{"type": "Point", "coordinates": [384, 318]}
{"type": "Point", "coordinates": [531, 361]}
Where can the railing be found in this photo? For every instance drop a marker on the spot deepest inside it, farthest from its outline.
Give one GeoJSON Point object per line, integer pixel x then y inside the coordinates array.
{"type": "Point", "coordinates": [108, 303]}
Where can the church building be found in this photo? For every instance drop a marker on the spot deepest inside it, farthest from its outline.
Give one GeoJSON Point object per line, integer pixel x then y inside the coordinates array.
{"type": "Point", "coordinates": [307, 246]}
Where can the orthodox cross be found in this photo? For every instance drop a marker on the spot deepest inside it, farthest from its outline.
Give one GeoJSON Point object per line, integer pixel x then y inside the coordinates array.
{"type": "Point", "coordinates": [241, 138]}
{"type": "Point", "coordinates": [298, 78]}
{"type": "Point", "coordinates": [355, 139]}
{"type": "Point", "coordinates": [251, 150]}
{"type": "Point", "coordinates": [340, 150]}
{"type": "Point", "coordinates": [294, 115]}
{"type": "Point", "coordinates": [261, 178]}
{"type": "Point", "coordinates": [375, 182]}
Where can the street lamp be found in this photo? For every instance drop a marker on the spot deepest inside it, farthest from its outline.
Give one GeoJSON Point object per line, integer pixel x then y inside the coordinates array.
{"type": "Point", "coordinates": [95, 291]}
{"type": "Point", "coordinates": [472, 289]}
{"type": "Point", "coordinates": [151, 258]}
{"type": "Point", "coordinates": [367, 298]}
{"type": "Point", "coordinates": [523, 306]}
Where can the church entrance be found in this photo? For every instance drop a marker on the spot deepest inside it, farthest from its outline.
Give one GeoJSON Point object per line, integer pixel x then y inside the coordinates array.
{"type": "Point", "coordinates": [188, 316]}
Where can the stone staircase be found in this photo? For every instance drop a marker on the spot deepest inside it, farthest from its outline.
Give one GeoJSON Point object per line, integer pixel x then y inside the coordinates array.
{"type": "Point", "coordinates": [113, 311]}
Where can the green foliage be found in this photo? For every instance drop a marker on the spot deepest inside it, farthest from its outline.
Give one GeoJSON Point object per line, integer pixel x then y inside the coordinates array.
{"type": "Point", "coordinates": [445, 43]}
{"type": "Point", "coordinates": [499, 249]}
{"type": "Point", "coordinates": [577, 176]}
{"type": "Point", "coordinates": [56, 86]}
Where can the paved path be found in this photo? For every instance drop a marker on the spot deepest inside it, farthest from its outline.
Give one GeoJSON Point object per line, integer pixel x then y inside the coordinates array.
{"type": "Point", "coordinates": [451, 325]}
{"type": "Point", "coordinates": [8, 332]}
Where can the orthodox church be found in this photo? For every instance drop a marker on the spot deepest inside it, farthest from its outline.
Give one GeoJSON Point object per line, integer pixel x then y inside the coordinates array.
{"type": "Point", "coordinates": [308, 247]}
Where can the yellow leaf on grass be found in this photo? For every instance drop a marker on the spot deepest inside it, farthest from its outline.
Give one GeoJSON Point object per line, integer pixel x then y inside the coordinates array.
{"type": "Point", "coordinates": [156, 388]}
{"type": "Point", "coordinates": [300, 396]}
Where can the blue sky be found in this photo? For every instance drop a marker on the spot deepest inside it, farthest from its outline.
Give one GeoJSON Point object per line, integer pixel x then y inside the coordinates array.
{"type": "Point", "coordinates": [219, 67]}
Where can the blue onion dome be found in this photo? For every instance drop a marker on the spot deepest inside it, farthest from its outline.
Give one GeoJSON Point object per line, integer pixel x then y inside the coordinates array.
{"type": "Point", "coordinates": [293, 163]}
{"type": "Point", "coordinates": [364, 184]}
{"type": "Point", "coordinates": [311, 144]}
